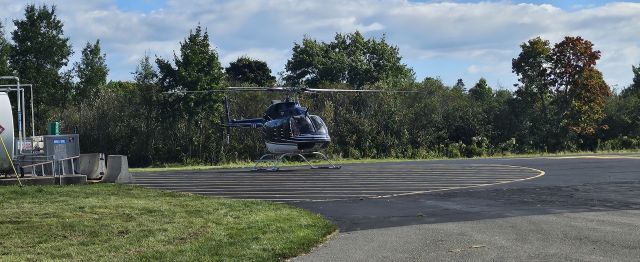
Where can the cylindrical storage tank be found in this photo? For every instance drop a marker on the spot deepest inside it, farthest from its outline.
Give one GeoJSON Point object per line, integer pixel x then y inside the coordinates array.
{"type": "Point", "coordinates": [6, 121]}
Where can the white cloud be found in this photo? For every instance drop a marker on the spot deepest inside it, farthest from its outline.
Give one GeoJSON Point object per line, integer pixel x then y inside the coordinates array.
{"type": "Point", "coordinates": [480, 37]}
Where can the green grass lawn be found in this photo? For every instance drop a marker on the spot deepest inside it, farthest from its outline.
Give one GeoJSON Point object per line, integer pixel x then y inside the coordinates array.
{"type": "Point", "coordinates": [108, 222]}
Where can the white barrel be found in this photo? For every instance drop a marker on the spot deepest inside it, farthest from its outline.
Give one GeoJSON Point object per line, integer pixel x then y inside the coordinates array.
{"type": "Point", "coordinates": [6, 121]}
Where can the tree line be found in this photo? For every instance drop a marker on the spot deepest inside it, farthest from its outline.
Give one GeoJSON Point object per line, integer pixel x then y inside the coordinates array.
{"type": "Point", "coordinates": [560, 103]}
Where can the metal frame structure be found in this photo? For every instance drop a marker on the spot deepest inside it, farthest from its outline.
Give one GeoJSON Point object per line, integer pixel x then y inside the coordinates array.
{"type": "Point", "coordinates": [41, 164]}
{"type": "Point", "coordinates": [273, 161]}
{"type": "Point", "coordinates": [21, 109]}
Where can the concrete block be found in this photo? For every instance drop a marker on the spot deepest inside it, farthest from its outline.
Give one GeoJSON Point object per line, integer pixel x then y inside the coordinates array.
{"type": "Point", "coordinates": [70, 179]}
{"type": "Point", "coordinates": [117, 170]}
{"type": "Point", "coordinates": [31, 181]}
{"type": "Point", "coordinates": [92, 165]}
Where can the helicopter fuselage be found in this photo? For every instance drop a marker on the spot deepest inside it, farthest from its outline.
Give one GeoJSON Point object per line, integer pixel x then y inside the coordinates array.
{"type": "Point", "coordinates": [288, 127]}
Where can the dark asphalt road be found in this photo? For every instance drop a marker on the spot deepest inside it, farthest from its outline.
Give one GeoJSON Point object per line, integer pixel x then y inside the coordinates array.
{"type": "Point", "coordinates": [582, 209]}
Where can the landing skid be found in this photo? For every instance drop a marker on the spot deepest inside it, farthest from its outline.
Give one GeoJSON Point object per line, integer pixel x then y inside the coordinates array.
{"type": "Point", "coordinates": [272, 162]}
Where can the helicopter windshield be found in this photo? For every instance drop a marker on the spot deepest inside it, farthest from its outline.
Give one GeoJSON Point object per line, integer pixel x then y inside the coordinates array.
{"type": "Point", "coordinates": [301, 125]}
{"type": "Point", "coordinates": [320, 126]}
{"type": "Point", "coordinates": [307, 125]}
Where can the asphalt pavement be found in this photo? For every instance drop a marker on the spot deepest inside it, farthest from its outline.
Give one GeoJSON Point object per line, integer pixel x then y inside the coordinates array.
{"type": "Point", "coordinates": [535, 209]}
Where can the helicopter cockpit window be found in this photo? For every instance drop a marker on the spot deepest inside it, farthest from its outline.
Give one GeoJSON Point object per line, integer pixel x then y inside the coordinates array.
{"type": "Point", "coordinates": [319, 125]}
{"type": "Point", "coordinates": [301, 125]}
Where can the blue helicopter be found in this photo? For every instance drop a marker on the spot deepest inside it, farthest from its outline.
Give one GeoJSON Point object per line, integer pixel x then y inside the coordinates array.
{"type": "Point", "coordinates": [288, 128]}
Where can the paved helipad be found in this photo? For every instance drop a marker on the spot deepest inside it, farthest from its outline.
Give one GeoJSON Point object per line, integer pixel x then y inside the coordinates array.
{"type": "Point", "coordinates": [584, 208]}
{"type": "Point", "coordinates": [297, 184]}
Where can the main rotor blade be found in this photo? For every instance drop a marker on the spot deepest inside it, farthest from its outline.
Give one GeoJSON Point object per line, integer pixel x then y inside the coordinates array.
{"type": "Point", "coordinates": [290, 89]}
{"type": "Point", "coordinates": [261, 88]}
{"type": "Point", "coordinates": [234, 89]}
{"type": "Point", "coordinates": [360, 90]}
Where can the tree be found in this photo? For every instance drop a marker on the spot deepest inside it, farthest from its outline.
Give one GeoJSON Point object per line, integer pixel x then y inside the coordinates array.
{"type": "Point", "coordinates": [580, 88]}
{"type": "Point", "coordinates": [460, 85]}
{"type": "Point", "coordinates": [350, 59]}
{"type": "Point", "coordinates": [92, 72]}
{"type": "Point", "coordinates": [634, 88]}
{"type": "Point", "coordinates": [588, 96]}
{"type": "Point", "coordinates": [250, 71]}
{"type": "Point", "coordinates": [532, 67]}
{"type": "Point", "coordinates": [481, 90]}
{"type": "Point", "coordinates": [5, 49]}
{"type": "Point", "coordinates": [38, 54]}
{"type": "Point", "coordinates": [569, 58]}
{"type": "Point", "coordinates": [148, 95]}
{"type": "Point", "coordinates": [196, 69]}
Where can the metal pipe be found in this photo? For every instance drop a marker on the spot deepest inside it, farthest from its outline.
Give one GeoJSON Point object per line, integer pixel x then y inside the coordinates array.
{"type": "Point", "coordinates": [33, 123]}
{"type": "Point", "coordinates": [24, 123]}
{"type": "Point", "coordinates": [20, 120]}
{"type": "Point", "coordinates": [30, 86]}
{"type": "Point", "coordinates": [19, 97]}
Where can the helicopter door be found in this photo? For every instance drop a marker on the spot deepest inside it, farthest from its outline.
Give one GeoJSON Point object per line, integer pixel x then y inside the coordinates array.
{"type": "Point", "coordinates": [301, 125]}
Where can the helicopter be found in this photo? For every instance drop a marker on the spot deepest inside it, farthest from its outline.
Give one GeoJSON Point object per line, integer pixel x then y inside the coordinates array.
{"type": "Point", "coordinates": [288, 128]}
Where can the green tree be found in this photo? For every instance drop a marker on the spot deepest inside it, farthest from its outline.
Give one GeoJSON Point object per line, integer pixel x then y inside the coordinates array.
{"type": "Point", "coordinates": [5, 49]}
{"type": "Point", "coordinates": [91, 71]}
{"type": "Point", "coordinates": [580, 88]}
{"type": "Point", "coordinates": [460, 85]}
{"type": "Point", "coordinates": [250, 71]}
{"type": "Point", "coordinates": [38, 54]}
{"type": "Point", "coordinates": [588, 96]}
{"type": "Point", "coordinates": [148, 97]}
{"type": "Point", "coordinates": [350, 59]}
{"type": "Point", "coordinates": [481, 91]}
{"type": "Point", "coordinates": [532, 67]}
{"type": "Point", "coordinates": [197, 68]}
{"type": "Point", "coordinates": [634, 88]}
{"type": "Point", "coordinates": [569, 58]}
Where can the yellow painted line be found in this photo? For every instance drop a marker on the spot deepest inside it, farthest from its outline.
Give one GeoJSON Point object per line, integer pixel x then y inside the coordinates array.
{"type": "Point", "coordinates": [331, 192]}
{"type": "Point", "coordinates": [311, 187]}
{"type": "Point", "coordinates": [307, 178]}
{"type": "Point", "coordinates": [300, 175]}
{"type": "Point", "coordinates": [576, 157]}
{"type": "Point", "coordinates": [344, 170]}
{"type": "Point", "coordinates": [471, 174]}
{"type": "Point", "coordinates": [596, 157]}
{"type": "Point", "coordinates": [362, 184]}
{"type": "Point", "coordinates": [284, 195]}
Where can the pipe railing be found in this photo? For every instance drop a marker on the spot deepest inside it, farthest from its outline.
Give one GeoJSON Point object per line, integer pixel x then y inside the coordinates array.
{"type": "Point", "coordinates": [41, 164]}
{"type": "Point", "coordinates": [21, 109]}
{"type": "Point", "coordinates": [61, 163]}
{"type": "Point", "coordinates": [30, 86]}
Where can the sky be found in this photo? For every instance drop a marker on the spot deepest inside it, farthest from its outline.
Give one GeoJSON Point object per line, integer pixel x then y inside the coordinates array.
{"type": "Point", "coordinates": [446, 39]}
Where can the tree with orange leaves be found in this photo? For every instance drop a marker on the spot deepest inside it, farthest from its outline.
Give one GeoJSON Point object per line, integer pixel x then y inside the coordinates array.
{"type": "Point", "coordinates": [580, 89]}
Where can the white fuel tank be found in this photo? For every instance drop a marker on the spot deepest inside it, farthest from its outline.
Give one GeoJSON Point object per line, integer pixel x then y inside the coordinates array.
{"type": "Point", "coordinates": [6, 121]}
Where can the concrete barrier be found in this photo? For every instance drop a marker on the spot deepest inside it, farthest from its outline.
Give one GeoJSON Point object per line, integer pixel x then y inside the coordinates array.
{"type": "Point", "coordinates": [117, 170]}
{"type": "Point", "coordinates": [70, 179]}
{"type": "Point", "coordinates": [92, 165]}
{"type": "Point", "coordinates": [31, 181]}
